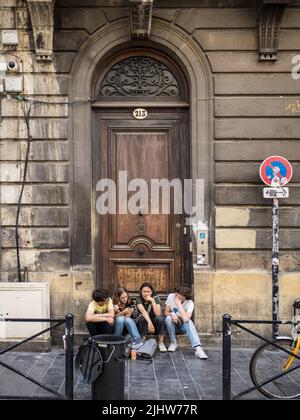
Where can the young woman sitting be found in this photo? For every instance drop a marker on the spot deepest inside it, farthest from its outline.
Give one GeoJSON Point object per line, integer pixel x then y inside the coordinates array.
{"type": "Point", "coordinates": [124, 309]}
{"type": "Point", "coordinates": [150, 319]}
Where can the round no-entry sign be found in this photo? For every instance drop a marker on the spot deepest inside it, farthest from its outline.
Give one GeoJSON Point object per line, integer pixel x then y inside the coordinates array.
{"type": "Point", "coordinates": [276, 171]}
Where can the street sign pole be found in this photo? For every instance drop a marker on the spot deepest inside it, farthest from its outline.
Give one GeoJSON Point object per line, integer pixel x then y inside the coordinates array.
{"type": "Point", "coordinates": [276, 172]}
{"type": "Point", "coordinates": [275, 266]}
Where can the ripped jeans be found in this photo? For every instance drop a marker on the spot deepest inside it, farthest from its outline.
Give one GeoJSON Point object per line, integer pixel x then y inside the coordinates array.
{"type": "Point", "coordinates": [186, 328]}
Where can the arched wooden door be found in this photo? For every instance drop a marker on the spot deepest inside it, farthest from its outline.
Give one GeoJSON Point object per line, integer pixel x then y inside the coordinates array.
{"type": "Point", "coordinates": [139, 247]}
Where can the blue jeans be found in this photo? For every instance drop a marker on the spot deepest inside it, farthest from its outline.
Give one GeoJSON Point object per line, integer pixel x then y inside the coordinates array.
{"type": "Point", "coordinates": [187, 328]}
{"type": "Point", "coordinates": [97, 328]}
{"type": "Point", "coordinates": [121, 322]}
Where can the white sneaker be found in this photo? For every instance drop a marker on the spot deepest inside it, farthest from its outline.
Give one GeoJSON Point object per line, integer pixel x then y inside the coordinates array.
{"type": "Point", "coordinates": [172, 347]}
{"type": "Point", "coordinates": [162, 348]}
{"type": "Point", "coordinates": [199, 352]}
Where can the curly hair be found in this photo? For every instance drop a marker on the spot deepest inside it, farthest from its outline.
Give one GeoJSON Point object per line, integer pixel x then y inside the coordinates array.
{"type": "Point", "coordinates": [100, 295]}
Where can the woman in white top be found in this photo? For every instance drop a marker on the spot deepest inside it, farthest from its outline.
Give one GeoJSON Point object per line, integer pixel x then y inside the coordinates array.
{"type": "Point", "coordinates": [178, 312]}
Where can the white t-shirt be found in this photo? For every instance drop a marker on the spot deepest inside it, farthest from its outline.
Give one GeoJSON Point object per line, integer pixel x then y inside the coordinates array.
{"type": "Point", "coordinates": [188, 305]}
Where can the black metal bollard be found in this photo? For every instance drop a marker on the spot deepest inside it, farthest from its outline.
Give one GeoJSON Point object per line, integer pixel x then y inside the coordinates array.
{"type": "Point", "coordinates": [226, 357]}
{"type": "Point", "coordinates": [69, 357]}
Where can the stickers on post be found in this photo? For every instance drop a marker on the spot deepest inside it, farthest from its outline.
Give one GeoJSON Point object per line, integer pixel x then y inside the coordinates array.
{"type": "Point", "coordinates": [276, 172]}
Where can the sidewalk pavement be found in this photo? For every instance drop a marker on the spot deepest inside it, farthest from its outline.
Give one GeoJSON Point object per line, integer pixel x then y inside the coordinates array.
{"type": "Point", "coordinates": [171, 376]}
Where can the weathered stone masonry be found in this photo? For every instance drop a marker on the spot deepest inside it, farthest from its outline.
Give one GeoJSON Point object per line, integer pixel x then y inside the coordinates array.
{"type": "Point", "coordinates": [254, 114]}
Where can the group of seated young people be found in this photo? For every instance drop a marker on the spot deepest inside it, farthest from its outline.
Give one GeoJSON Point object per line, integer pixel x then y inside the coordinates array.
{"type": "Point", "coordinates": [106, 315]}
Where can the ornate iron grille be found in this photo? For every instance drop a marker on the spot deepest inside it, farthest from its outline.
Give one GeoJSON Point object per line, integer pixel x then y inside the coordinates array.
{"type": "Point", "coordinates": [139, 76]}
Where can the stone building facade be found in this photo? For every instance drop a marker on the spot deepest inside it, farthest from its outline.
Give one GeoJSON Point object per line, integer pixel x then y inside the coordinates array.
{"type": "Point", "coordinates": [237, 104]}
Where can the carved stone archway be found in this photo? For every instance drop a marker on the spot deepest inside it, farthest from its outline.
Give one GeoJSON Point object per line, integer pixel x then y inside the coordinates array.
{"type": "Point", "coordinates": [87, 65]}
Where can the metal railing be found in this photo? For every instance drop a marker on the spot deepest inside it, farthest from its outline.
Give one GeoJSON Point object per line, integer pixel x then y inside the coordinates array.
{"type": "Point", "coordinates": [227, 324]}
{"type": "Point", "coordinates": [69, 353]}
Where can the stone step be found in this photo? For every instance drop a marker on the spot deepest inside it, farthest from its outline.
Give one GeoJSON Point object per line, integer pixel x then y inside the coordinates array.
{"type": "Point", "coordinates": [182, 339]}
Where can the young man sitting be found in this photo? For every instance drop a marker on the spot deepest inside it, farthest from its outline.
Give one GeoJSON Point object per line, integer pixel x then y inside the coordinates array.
{"type": "Point", "coordinates": [100, 313]}
{"type": "Point", "coordinates": [178, 312]}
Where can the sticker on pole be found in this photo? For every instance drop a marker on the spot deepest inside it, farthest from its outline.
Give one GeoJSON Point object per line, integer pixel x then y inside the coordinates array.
{"type": "Point", "coordinates": [272, 192]}
{"type": "Point", "coordinates": [276, 171]}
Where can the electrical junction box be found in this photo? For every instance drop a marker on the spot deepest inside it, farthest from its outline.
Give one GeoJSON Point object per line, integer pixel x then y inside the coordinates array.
{"type": "Point", "coordinates": [24, 300]}
{"type": "Point", "coordinates": [10, 37]}
{"type": "Point", "coordinates": [13, 84]}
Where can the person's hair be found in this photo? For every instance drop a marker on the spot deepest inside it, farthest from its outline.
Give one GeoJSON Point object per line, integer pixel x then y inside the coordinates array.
{"type": "Point", "coordinates": [147, 285]}
{"type": "Point", "coordinates": [185, 291]}
{"type": "Point", "coordinates": [118, 292]}
{"type": "Point", "coordinates": [100, 295]}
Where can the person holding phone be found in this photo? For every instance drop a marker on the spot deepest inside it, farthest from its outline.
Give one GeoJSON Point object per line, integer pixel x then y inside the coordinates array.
{"type": "Point", "coordinates": [124, 308]}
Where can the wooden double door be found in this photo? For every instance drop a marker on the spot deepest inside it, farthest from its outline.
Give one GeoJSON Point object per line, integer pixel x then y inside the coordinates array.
{"type": "Point", "coordinates": [140, 246]}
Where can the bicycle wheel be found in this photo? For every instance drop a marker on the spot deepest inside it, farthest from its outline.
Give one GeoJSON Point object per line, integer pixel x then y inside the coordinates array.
{"type": "Point", "coordinates": [268, 361]}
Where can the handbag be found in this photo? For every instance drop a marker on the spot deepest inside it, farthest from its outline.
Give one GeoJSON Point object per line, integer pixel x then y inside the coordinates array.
{"type": "Point", "coordinates": [148, 349]}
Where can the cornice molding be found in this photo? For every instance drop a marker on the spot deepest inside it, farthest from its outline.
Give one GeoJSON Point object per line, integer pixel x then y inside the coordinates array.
{"type": "Point", "coordinates": [42, 21]}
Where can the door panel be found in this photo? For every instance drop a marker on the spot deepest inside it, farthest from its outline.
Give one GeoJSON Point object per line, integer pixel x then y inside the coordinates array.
{"type": "Point", "coordinates": [134, 274]}
{"type": "Point", "coordinates": [144, 155]}
{"type": "Point", "coordinates": [134, 248]}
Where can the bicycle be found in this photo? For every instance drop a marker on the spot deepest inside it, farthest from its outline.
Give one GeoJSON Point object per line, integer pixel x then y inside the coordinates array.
{"type": "Point", "coordinates": [282, 360]}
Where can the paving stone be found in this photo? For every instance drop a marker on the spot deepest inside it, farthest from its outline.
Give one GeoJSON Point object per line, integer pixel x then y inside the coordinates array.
{"type": "Point", "coordinates": [8, 359]}
{"type": "Point", "coordinates": [83, 392]}
{"type": "Point", "coordinates": [187, 382]}
{"type": "Point", "coordinates": [172, 376]}
{"type": "Point", "coordinates": [13, 384]}
{"type": "Point", "coordinates": [54, 377]}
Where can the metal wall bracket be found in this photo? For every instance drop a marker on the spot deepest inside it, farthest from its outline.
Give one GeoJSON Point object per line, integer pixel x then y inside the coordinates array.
{"type": "Point", "coordinates": [140, 18]}
{"type": "Point", "coordinates": [42, 21]}
{"type": "Point", "coordinates": [270, 14]}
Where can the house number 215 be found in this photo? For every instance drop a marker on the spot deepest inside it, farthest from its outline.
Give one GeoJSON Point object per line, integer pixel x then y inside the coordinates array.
{"type": "Point", "coordinates": [140, 113]}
